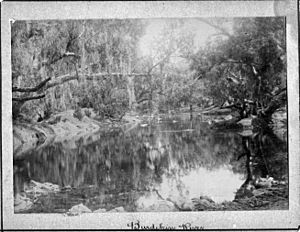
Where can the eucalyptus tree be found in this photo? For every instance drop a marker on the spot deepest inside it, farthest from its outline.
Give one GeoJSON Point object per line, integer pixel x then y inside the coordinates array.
{"type": "Point", "coordinates": [170, 49]}
{"type": "Point", "coordinates": [245, 66]}
{"type": "Point", "coordinates": [57, 63]}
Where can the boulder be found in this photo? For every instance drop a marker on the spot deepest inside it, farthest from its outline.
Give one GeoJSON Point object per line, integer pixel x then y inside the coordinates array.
{"type": "Point", "coordinates": [158, 206]}
{"type": "Point", "coordinates": [117, 210]}
{"type": "Point", "coordinates": [264, 182]}
{"type": "Point", "coordinates": [78, 209]}
{"type": "Point", "coordinates": [100, 211]}
{"type": "Point", "coordinates": [206, 198]}
{"type": "Point", "coordinates": [188, 206]}
{"type": "Point", "coordinates": [41, 188]}
{"type": "Point", "coordinates": [22, 203]}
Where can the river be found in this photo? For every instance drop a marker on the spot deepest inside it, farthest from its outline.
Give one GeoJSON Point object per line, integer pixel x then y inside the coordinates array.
{"type": "Point", "coordinates": [163, 158]}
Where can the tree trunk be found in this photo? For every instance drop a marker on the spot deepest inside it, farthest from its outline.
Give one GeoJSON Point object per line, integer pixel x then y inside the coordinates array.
{"type": "Point", "coordinates": [228, 124]}
{"type": "Point", "coordinates": [131, 94]}
{"type": "Point", "coordinates": [191, 111]}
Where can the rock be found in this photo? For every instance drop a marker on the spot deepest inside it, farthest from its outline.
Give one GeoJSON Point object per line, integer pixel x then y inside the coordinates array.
{"type": "Point", "coordinates": [158, 206]}
{"type": "Point", "coordinates": [41, 188]}
{"type": "Point", "coordinates": [118, 209]}
{"type": "Point", "coordinates": [188, 206]}
{"type": "Point", "coordinates": [228, 117]}
{"type": "Point", "coordinates": [207, 199]}
{"type": "Point", "coordinates": [100, 211]}
{"type": "Point", "coordinates": [79, 209]}
{"type": "Point", "coordinates": [264, 182]}
{"type": "Point", "coordinates": [22, 203]}
{"type": "Point", "coordinates": [66, 188]}
{"type": "Point", "coordinates": [204, 202]}
{"type": "Point", "coordinates": [163, 206]}
{"type": "Point", "coordinates": [153, 202]}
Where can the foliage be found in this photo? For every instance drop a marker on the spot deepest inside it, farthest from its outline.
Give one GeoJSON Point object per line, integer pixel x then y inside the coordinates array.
{"type": "Point", "coordinates": [78, 113]}
{"type": "Point", "coordinates": [39, 51]}
{"type": "Point", "coordinates": [87, 112]}
{"type": "Point", "coordinates": [247, 64]}
{"type": "Point", "coordinates": [168, 84]}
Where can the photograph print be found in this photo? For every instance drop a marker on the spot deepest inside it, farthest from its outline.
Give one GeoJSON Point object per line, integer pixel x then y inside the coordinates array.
{"type": "Point", "coordinates": [149, 115]}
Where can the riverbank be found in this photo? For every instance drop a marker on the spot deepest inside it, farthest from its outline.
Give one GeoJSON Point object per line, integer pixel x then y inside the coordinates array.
{"type": "Point", "coordinates": [63, 127]}
{"type": "Point", "coordinates": [270, 198]}
{"type": "Point", "coordinates": [217, 116]}
{"type": "Point", "coordinates": [78, 201]}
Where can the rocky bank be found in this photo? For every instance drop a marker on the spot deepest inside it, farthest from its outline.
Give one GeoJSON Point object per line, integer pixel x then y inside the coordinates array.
{"type": "Point", "coordinates": [63, 127]}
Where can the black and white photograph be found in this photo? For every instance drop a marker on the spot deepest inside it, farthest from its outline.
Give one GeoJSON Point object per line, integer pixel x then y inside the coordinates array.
{"type": "Point", "coordinates": [156, 114]}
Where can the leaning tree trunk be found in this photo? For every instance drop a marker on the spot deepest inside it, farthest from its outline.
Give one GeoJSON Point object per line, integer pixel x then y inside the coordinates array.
{"type": "Point", "coordinates": [261, 123]}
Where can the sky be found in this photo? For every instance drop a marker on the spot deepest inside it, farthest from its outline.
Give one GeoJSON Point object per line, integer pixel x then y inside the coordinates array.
{"type": "Point", "coordinates": [155, 27]}
{"type": "Point", "coordinates": [202, 32]}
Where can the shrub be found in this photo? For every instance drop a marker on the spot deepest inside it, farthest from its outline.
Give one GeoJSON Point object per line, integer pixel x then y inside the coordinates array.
{"type": "Point", "coordinates": [55, 120]}
{"type": "Point", "coordinates": [48, 110]}
{"type": "Point", "coordinates": [78, 114]}
{"type": "Point", "coordinates": [87, 113]}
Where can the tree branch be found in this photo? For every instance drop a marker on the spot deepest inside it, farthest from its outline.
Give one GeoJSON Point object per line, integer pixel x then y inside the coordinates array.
{"type": "Point", "coordinates": [277, 101]}
{"type": "Point", "coordinates": [158, 63]}
{"type": "Point", "coordinates": [32, 89]}
{"type": "Point", "coordinates": [72, 54]}
{"type": "Point", "coordinates": [94, 76]}
{"type": "Point", "coordinates": [23, 99]}
{"type": "Point", "coordinates": [161, 61]}
{"type": "Point", "coordinates": [231, 106]}
{"type": "Point", "coordinates": [68, 77]}
{"type": "Point", "coordinates": [239, 62]}
{"type": "Point", "coordinates": [66, 54]}
{"type": "Point", "coordinates": [62, 79]}
{"type": "Point", "coordinates": [142, 100]}
{"type": "Point", "coordinates": [221, 29]}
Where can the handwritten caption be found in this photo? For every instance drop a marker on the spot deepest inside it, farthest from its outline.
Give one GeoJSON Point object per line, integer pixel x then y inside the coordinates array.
{"type": "Point", "coordinates": [185, 226]}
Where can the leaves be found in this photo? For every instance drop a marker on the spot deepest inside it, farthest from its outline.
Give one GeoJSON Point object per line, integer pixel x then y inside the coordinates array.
{"type": "Point", "coordinates": [249, 63]}
{"type": "Point", "coordinates": [50, 49]}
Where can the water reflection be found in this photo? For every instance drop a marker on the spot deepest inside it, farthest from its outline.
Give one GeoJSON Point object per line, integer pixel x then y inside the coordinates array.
{"type": "Point", "coordinates": [178, 158]}
{"type": "Point", "coordinates": [220, 185]}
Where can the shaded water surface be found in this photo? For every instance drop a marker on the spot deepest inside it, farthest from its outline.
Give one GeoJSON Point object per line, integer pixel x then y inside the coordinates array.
{"type": "Point", "coordinates": [175, 157]}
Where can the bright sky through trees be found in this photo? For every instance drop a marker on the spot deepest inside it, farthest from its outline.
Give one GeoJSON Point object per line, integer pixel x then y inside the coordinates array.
{"type": "Point", "coordinates": [202, 32]}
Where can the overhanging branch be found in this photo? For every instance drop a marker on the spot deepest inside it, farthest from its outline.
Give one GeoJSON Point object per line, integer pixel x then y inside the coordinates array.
{"type": "Point", "coordinates": [23, 99]}
{"type": "Point", "coordinates": [142, 100]}
{"type": "Point", "coordinates": [51, 82]}
{"type": "Point", "coordinates": [32, 89]}
{"type": "Point", "coordinates": [277, 101]}
{"type": "Point", "coordinates": [221, 29]}
{"type": "Point", "coordinates": [64, 55]}
{"type": "Point", "coordinates": [160, 62]}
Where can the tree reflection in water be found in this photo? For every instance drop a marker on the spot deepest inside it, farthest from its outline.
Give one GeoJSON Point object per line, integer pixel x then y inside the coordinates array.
{"type": "Point", "coordinates": [176, 157]}
{"type": "Point", "coordinates": [265, 156]}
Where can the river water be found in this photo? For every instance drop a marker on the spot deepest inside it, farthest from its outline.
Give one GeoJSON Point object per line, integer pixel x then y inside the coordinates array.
{"type": "Point", "coordinates": [166, 158]}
